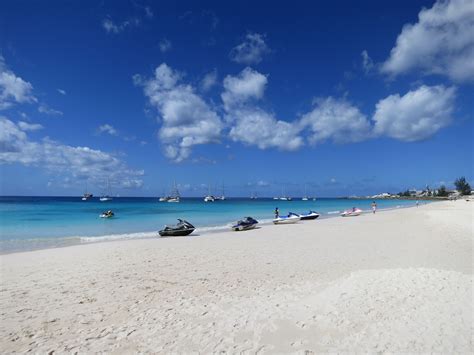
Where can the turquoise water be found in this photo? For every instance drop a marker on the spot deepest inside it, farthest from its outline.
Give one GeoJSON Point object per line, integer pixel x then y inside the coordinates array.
{"type": "Point", "coordinates": [42, 222]}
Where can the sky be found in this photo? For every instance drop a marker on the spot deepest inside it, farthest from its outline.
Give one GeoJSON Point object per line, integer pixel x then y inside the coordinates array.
{"type": "Point", "coordinates": [329, 97]}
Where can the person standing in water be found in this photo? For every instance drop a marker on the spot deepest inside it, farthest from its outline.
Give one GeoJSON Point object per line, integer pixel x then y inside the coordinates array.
{"type": "Point", "coordinates": [277, 212]}
{"type": "Point", "coordinates": [417, 203]}
{"type": "Point", "coordinates": [374, 207]}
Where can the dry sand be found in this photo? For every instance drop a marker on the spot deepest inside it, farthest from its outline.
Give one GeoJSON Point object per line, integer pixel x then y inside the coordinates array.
{"type": "Point", "coordinates": [397, 281]}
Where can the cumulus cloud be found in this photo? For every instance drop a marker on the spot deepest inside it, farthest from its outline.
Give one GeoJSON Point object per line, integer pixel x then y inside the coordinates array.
{"type": "Point", "coordinates": [60, 159]}
{"type": "Point", "coordinates": [43, 108]}
{"type": "Point", "coordinates": [117, 27]}
{"type": "Point", "coordinates": [441, 42]}
{"type": "Point", "coordinates": [106, 128]}
{"type": "Point", "coordinates": [165, 45]}
{"type": "Point", "coordinates": [250, 124]}
{"type": "Point", "coordinates": [251, 51]}
{"type": "Point", "coordinates": [209, 80]}
{"type": "Point", "coordinates": [187, 120]}
{"type": "Point", "coordinates": [25, 126]}
{"type": "Point", "coordinates": [416, 115]}
{"type": "Point", "coordinates": [247, 85]}
{"type": "Point", "coordinates": [253, 126]}
{"type": "Point", "coordinates": [336, 120]}
{"type": "Point", "coordinates": [367, 62]}
{"type": "Point", "coordinates": [13, 89]}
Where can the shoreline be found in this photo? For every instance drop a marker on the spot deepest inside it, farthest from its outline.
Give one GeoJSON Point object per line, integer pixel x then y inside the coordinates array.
{"type": "Point", "coordinates": [71, 241]}
{"type": "Point", "coordinates": [399, 281]}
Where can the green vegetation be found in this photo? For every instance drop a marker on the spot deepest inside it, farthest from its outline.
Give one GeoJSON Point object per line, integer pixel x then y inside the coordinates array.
{"type": "Point", "coordinates": [442, 192]}
{"type": "Point", "coordinates": [462, 186]}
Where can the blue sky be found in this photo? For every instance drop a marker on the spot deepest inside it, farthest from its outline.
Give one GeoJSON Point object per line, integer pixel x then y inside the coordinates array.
{"type": "Point", "coordinates": [345, 99]}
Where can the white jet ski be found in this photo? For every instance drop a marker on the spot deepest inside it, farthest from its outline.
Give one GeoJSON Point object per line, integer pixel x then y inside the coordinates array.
{"type": "Point", "coordinates": [352, 212]}
{"type": "Point", "coordinates": [290, 219]}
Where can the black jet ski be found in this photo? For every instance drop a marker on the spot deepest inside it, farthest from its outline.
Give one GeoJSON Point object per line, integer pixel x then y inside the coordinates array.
{"type": "Point", "coordinates": [181, 229]}
{"type": "Point", "coordinates": [107, 214]}
{"type": "Point", "coordinates": [245, 224]}
{"type": "Point", "coordinates": [310, 215]}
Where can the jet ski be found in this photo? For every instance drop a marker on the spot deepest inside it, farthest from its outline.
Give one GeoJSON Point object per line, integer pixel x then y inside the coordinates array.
{"type": "Point", "coordinates": [245, 224]}
{"type": "Point", "coordinates": [107, 214]}
{"type": "Point", "coordinates": [291, 218]}
{"type": "Point", "coordinates": [352, 212]}
{"type": "Point", "coordinates": [181, 229]}
{"type": "Point", "coordinates": [310, 215]}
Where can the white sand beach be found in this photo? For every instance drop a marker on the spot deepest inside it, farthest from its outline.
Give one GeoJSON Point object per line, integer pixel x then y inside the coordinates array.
{"type": "Point", "coordinates": [396, 281]}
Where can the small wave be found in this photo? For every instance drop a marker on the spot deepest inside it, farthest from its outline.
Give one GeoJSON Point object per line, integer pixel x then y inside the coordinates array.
{"type": "Point", "coordinates": [333, 212]}
{"type": "Point", "coordinates": [110, 237]}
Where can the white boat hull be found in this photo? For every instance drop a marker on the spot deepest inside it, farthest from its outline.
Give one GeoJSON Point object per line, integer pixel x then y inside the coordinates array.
{"type": "Point", "coordinates": [350, 213]}
{"type": "Point", "coordinates": [286, 220]}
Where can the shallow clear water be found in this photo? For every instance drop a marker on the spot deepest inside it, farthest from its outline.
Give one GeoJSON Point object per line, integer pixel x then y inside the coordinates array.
{"type": "Point", "coordinates": [40, 222]}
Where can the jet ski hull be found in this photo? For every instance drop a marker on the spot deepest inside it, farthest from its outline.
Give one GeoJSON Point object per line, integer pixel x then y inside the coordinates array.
{"type": "Point", "coordinates": [351, 213]}
{"type": "Point", "coordinates": [309, 216]}
{"type": "Point", "coordinates": [286, 220]}
{"type": "Point", "coordinates": [245, 224]}
{"type": "Point", "coordinates": [182, 229]}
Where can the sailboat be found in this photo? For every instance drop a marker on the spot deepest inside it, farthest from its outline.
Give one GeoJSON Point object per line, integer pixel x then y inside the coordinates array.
{"type": "Point", "coordinates": [254, 196]}
{"type": "Point", "coordinates": [209, 197]}
{"type": "Point", "coordinates": [87, 195]}
{"type": "Point", "coordinates": [283, 197]}
{"type": "Point", "coordinates": [222, 197]}
{"type": "Point", "coordinates": [106, 197]}
{"type": "Point", "coordinates": [174, 196]}
{"type": "Point", "coordinates": [305, 197]}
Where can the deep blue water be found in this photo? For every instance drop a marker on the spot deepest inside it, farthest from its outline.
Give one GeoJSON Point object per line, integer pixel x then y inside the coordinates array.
{"type": "Point", "coordinates": [42, 222]}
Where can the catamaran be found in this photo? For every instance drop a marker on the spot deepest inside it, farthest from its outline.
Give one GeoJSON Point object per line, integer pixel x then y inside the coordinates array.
{"type": "Point", "coordinates": [87, 195]}
{"type": "Point", "coordinates": [209, 197]}
{"type": "Point", "coordinates": [222, 197]}
{"type": "Point", "coordinates": [174, 196]}
{"type": "Point", "coordinates": [106, 197]}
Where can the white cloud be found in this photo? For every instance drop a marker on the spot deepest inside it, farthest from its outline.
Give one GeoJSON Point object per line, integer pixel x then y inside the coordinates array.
{"type": "Point", "coordinates": [251, 51]}
{"type": "Point", "coordinates": [61, 91]}
{"type": "Point", "coordinates": [43, 108]}
{"type": "Point", "coordinates": [13, 89]}
{"type": "Point", "coordinates": [250, 124]}
{"type": "Point", "coordinates": [187, 120]}
{"type": "Point", "coordinates": [106, 128]}
{"type": "Point", "coordinates": [257, 127]}
{"type": "Point", "coordinates": [165, 45]}
{"type": "Point", "coordinates": [25, 126]}
{"type": "Point", "coordinates": [367, 62]}
{"type": "Point", "coordinates": [336, 120]}
{"type": "Point", "coordinates": [59, 159]}
{"type": "Point", "coordinates": [441, 42]}
{"type": "Point", "coordinates": [417, 115]}
{"type": "Point", "coordinates": [209, 80]}
{"type": "Point", "coordinates": [113, 27]}
{"type": "Point", "coordinates": [248, 84]}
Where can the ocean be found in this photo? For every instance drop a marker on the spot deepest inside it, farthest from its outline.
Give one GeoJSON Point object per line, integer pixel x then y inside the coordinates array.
{"type": "Point", "coordinates": [29, 223]}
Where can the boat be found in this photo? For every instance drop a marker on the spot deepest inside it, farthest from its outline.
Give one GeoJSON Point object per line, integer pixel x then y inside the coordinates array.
{"type": "Point", "coordinates": [308, 216]}
{"type": "Point", "coordinates": [106, 197]}
{"type": "Point", "coordinates": [221, 197]}
{"type": "Point", "coordinates": [181, 229]}
{"type": "Point", "coordinates": [254, 196]}
{"type": "Point", "coordinates": [245, 224]}
{"type": "Point", "coordinates": [107, 214]}
{"type": "Point", "coordinates": [87, 196]}
{"type": "Point", "coordinates": [305, 197]}
{"type": "Point", "coordinates": [209, 197]}
{"type": "Point", "coordinates": [275, 198]}
{"type": "Point", "coordinates": [290, 219]}
{"type": "Point", "coordinates": [174, 195]}
{"type": "Point", "coordinates": [352, 212]}
{"type": "Point", "coordinates": [164, 199]}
